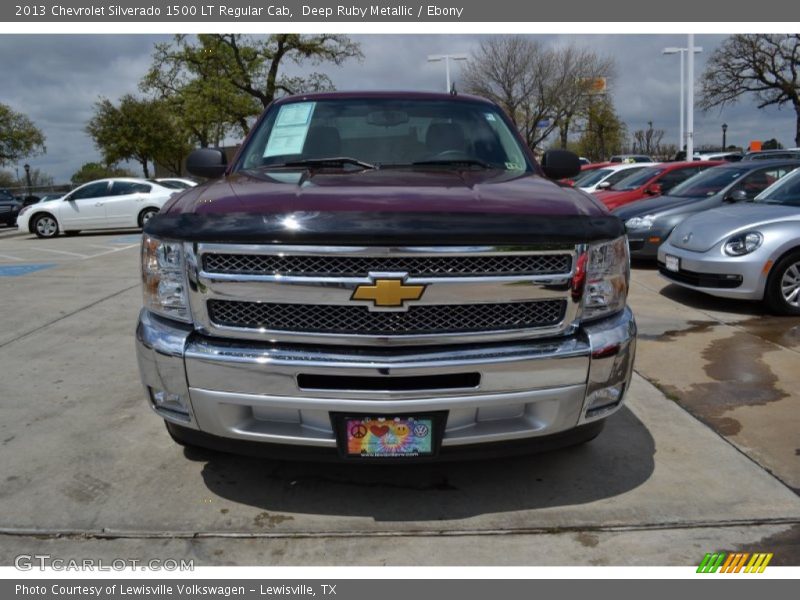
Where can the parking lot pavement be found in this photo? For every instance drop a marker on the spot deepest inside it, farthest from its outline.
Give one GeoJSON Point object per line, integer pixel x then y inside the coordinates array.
{"type": "Point", "coordinates": [87, 470]}
{"type": "Point", "coordinates": [729, 363]}
{"type": "Point", "coordinates": [51, 279]}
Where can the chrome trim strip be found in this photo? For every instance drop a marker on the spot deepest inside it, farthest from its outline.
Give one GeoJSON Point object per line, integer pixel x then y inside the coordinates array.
{"type": "Point", "coordinates": [233, 415]}
{"type": "Point", "coordinates": [299, 250]}
{"type": "Point", "coordinates": [255, 368]}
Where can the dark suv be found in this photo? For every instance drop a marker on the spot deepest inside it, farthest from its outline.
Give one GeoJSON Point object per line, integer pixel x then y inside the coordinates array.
{"type": "Point", "coordinates": [9, 207]}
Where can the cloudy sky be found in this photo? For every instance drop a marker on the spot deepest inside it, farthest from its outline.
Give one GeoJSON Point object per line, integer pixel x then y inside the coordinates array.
{"type": "Point", "coordinates": [56, 79]}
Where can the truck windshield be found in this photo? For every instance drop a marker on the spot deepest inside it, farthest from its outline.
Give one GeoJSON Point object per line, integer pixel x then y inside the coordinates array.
{"type": "Point", "coordinates": [384, 133]}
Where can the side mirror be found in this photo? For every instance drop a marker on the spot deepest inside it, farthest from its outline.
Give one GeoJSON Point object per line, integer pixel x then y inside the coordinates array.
{"type": "Point", "coordinates": [736, 196]}
{"type": "Point", "coordinates": [603, 185]}
{"type": "Point", "coordinates": [207, 162]}
{"type": "Point", "coordinates": [560, 164]}
{"type": "Point", "coordinates": [654, 189]}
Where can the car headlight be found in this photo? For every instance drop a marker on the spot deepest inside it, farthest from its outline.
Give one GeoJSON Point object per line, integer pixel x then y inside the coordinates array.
{"type": "Point", "coordinates": [744, 243]}
{"type": "Point", "coordinates": [164, 278]}
{"type": "Point", "coordinates": [607, 275]}
{"type": "Point", "coordinates": [645, 222]}
{"type": "Point", "coordinates": [24, 209]}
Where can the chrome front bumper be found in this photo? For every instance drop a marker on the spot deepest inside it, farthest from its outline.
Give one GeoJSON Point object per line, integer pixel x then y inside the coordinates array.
{"type": "Point", "coordinates": [250, 391]}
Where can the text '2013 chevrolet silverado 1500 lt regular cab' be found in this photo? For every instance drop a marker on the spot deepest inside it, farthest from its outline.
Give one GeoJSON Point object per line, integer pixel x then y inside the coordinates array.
{"type": "Point", "coordinates": [384, 277]}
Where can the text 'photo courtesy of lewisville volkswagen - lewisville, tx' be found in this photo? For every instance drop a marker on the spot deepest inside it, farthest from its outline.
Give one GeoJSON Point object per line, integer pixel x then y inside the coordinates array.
{"type": "Point", "coordinates": [411, 299]}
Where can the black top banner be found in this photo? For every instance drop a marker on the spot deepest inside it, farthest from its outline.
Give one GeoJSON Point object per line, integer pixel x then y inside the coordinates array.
{"type": "Point", "coordinates": [467, 11]}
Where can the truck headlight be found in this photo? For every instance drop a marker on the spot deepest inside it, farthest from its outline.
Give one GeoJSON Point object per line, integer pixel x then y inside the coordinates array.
{"type": "Point", "coordinates": [607, 275]}
{"type": "Point", "coordinates": [744, 243]}
{"type": "Point", "coordinates": [164, 279]}
{"type": "Point", "coordinates": [645, 222]}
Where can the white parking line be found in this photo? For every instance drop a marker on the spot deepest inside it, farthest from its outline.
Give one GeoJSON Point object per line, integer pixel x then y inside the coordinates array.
{"type": "Point", "coordinates": [8, 256]}
{"type": "Point", "coordinates": [61, 252]}
{"type": "Point", "coordinates": [112, 251]}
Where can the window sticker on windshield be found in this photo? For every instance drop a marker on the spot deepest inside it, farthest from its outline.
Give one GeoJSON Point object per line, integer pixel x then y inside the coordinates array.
{"type": "Point", "coordinates": [489, 116]}
{"type": "Point", "coordinates": [288, 135]}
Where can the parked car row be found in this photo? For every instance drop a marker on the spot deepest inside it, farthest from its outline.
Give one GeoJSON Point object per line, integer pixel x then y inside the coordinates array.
{"type": "Point", "coordinates": [748, 250]}
{"type": "Point", "coordinates": [730, 229]}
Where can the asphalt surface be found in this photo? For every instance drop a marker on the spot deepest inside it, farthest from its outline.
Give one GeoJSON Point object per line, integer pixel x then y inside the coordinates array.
{"type": "Point", "coordinates": [705, 457]}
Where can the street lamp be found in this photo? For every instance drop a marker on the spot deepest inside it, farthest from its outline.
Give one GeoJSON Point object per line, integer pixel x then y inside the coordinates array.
{"type": "Point", "coordinates": [682, 52]}
{"type": "Point", "coordinates": [446, 58]}
{"type": "Point", "coordinates": [28, 177]}
{"type": "Point", "coordinates": [724, 134]}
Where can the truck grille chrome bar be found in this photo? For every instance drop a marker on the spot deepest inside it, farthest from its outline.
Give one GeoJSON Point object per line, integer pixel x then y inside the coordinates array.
{"type": "Point", "coordinates": [420, 320]}
{"type": "Point", "coordinates": [360, 266]}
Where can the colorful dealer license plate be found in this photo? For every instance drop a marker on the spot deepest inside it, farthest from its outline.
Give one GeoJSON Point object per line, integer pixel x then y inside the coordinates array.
{"type": "Point", "coordinates": [388, 437]}
{"type": "Point", "coordinates": [673, 263]}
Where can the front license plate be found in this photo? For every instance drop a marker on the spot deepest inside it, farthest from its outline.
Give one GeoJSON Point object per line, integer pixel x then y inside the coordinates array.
{"type": "Point", "coordinates": [672, 263]}
{"type": "Point", "coordinates": [388, 437]}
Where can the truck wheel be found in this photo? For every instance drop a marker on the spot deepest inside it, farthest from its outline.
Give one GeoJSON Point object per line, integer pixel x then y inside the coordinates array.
{"type": "Point", "coordinates": [45, 226]}
{"type": "Point", "coordinates": [782, 295]}
{"type": "Point", "coordinates": [176, 433]}
{"type": "Point", "coordinates": [146, 215]}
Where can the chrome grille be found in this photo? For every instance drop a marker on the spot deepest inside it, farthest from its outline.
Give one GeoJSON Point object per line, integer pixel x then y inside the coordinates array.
{"type": "Point", "coordinates": [357, 320]}
{"type": "Point", "coordinates": [361, 266]}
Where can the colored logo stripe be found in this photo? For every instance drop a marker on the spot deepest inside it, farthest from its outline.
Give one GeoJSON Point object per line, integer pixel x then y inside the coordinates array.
{"type": "Point", "coordinates": [734, 562]}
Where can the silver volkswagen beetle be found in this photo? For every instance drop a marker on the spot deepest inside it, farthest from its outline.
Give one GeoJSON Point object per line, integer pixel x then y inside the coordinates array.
{"type": "Point", "coordinates": [749, 250]}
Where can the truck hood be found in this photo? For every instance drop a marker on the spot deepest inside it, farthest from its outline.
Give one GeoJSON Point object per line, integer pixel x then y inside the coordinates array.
{"type": "Point", "coordinates": [395, 190]}
{"type": "Point", "coordinates": [703, 231]}
{"type": "Point", "coordinates": [409, 207]}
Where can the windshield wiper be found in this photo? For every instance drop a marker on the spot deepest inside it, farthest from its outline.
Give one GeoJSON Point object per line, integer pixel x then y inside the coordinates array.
{"type": "Point", "coordinates": [469, 162]}
{"type": "Point", "coordinates": [334, 161]}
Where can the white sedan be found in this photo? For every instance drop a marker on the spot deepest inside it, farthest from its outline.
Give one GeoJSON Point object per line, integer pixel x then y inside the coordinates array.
{"type": "Point", "coordinates": [604, 177]}
{"type": "Point", "coordinates": [102, 204]}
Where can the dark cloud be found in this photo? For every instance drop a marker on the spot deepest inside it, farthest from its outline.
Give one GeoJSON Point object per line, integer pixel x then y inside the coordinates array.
{"type": "Point", "coordinates": [56, 79]}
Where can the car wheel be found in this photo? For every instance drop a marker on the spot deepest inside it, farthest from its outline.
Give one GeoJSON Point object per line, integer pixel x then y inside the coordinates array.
{"type": "Point", "coordinates": [146, 215]}
{"type": "Point", "coordinates": [783, 286]}
{"type": "Point", "coordinates": [72, 232]}
{"type": "Point", "coordinates": [45, 226]}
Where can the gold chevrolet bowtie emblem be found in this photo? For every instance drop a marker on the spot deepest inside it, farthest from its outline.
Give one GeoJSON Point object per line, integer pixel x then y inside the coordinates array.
{"type": "Point", "coordinates": [388, 292]}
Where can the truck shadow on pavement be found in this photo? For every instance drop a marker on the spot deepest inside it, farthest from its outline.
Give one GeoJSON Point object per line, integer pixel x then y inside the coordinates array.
{"type": "Point", "coordinates": [619, 460]}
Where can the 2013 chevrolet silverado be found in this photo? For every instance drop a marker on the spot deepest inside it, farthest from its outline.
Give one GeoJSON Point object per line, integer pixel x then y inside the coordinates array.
{"type": "Point", "coordinates": [384, 277]}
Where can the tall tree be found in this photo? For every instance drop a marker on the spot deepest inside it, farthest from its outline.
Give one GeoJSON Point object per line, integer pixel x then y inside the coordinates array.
{"type": "Point", "coordinates": [540, 88]}
{"type": "Point", "coordinates": [647, 141]}
{"type": "Point", "coordinates": [19, 136]}
{"type": "Point", "coordinates": [222, 81]}
{"type": "Point", "coordinates": [140, 130]}
{"type": "Point", "coordinates": [764, 65]}
{"type": "Point", "coordinates": [604, 133]}
{"type": "Point", "coordinates": [93, 170]}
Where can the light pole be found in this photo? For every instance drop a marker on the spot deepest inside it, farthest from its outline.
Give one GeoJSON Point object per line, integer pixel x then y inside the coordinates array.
{"type": "Point", "coordinates": [446, 58]}
{"type": "Point", "coordinates": [724, 134]}
{"type": "Point", "coordinates": [682, 52]}
{"type": "Point", "coordinates": [28, 177]}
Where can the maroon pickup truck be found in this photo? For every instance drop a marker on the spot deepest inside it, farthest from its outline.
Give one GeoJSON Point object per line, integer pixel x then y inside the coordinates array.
{"type": "Point", "coordinates": [384, 277]}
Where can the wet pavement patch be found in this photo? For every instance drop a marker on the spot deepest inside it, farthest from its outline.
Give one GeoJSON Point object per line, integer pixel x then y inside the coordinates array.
{"type": "Point", "coordinates": [17, 270]}
{"type": "Point", "coordinates": [672, 334]}
{"type": "Point", "coordinates": [784, 546]}
{"type": "Point", "coordinates": [740, 377]}
{"type": "Point", "coordinates": [784, 331]}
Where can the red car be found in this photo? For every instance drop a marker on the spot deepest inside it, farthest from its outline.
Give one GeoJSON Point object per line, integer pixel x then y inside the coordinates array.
{"type": "Point", "coordinates": [652, 181]}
